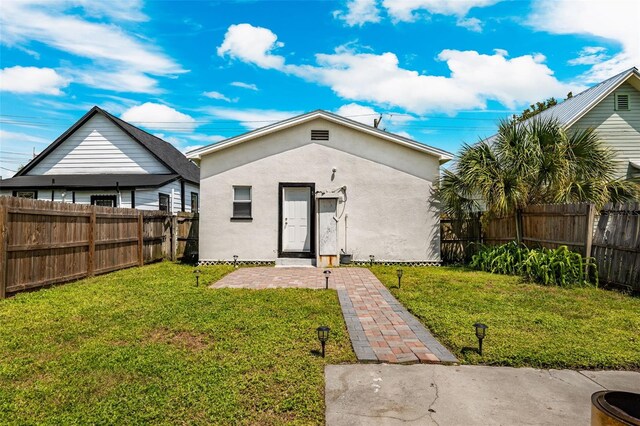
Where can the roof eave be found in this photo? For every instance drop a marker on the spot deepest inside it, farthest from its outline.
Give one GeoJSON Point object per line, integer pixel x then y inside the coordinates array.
{"type": "Point", "coordinates": [197, 154]}
{"type": "Point", "coordinates": [632, 73]}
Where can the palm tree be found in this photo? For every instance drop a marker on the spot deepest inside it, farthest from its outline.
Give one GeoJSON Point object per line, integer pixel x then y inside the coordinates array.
{"type": "Point", "coordinates": [533, 162]}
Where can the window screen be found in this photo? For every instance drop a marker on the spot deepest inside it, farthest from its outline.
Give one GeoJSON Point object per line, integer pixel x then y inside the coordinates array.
{"type": "Point", "coordinates": [25, 194]}
{"type": "Point", "coordinates": [104, 200]}
{"type": "Point", "coordinates": [242, 201]}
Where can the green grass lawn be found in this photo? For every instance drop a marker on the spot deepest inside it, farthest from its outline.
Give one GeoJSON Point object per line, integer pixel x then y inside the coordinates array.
{"type": "Point", "coordinates": [145, 345]}
{"type": "Point", "coordinates": [529, 325]}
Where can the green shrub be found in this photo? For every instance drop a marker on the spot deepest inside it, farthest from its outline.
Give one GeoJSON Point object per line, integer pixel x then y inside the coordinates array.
{"type": "Point", "coordinates": [559, 266]}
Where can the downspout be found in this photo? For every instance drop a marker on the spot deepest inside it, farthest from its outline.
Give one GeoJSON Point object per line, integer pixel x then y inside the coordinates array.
{"type": "Point", "coordinates": [346, 216]}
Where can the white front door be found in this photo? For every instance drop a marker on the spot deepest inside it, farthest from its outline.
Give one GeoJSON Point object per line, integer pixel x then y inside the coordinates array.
{"type": "Point", "coordinates": [296, 214]}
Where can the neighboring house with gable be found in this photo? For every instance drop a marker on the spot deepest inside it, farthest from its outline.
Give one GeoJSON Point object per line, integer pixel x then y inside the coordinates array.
{"type": "Point", "coordinates": [306, 189]}
{"type": "Point", "coordinates": [612, 109]}
{"type": "Point", "coordinates": [106, 161]}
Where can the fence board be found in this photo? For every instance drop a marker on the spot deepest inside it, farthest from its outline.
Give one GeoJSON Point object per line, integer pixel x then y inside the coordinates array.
{"type": "Point", "coordinates": [45, 242]}
{"type": "Point", "coordinates": [614, 243]}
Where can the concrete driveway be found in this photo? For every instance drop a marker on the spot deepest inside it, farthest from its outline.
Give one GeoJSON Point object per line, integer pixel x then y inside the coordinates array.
{"type": "Point", "coordinates": [441, 395]}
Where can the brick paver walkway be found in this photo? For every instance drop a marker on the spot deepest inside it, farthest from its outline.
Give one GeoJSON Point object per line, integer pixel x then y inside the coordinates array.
{"type": "Point", "coordinates": [380, 328]}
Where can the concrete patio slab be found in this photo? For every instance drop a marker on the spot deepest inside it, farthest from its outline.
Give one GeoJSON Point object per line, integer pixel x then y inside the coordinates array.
{"type": "Point", "coordinates": [464, 395]}
{"type": "Point", "coordinates": [380, 328]}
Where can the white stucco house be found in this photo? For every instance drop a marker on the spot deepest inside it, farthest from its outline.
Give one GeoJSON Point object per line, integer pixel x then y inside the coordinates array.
{"type": "Point", "coordinates": [306, 189]}
{"type": "Point", "coordinates": [103, 160]}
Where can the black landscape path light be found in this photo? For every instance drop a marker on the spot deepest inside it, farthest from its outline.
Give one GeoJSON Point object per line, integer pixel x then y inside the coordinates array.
{"type": "Point", "coordinates": [481, 332]}
{"type": "Point", "coordinates": [197, 273]}
{"type": "Point", "coordinates": [326, 278]}
{"type": "Point", "coordinates": [399, 273]}
{"type": "Point", "coordinates": [323, 336]}
{"type": "Point", "coordinates": [235, 260]}
{"type": "Point", "coordinates": [371, 259]}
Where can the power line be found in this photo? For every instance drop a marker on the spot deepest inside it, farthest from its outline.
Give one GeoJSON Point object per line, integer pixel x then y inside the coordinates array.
{"type": "Point", "coordinates": [390, 115]}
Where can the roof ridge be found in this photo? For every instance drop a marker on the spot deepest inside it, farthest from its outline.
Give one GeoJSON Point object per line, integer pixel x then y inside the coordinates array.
{"type": "Point", "coordinates": [364, 127]}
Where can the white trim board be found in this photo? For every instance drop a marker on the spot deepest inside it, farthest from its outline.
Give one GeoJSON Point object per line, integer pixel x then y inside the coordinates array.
{"type": "Point", "coordinates": [443, 156]}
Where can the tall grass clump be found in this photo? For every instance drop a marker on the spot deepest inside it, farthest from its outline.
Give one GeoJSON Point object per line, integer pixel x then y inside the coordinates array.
{"type": "Point", "coordinates": [559, 266]}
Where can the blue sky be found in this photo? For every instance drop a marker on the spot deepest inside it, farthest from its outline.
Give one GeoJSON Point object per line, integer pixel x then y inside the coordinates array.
{"type": "Point", "coordinates": [194, 72]}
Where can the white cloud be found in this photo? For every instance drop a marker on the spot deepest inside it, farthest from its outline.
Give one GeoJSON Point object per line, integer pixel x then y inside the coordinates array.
{"type": "Point", "coordinates": [251, 118]}
{"type": "Point", "coordinates": [474, 79]}
{"type": "Point", "coordinates": [357, 112]}
{"type": "Point", "coordinates": [116, 80]}
{"type": "Point", "coordinates": [590, 55]}
{"type": "Point", "coordinates": [391, 121]}
{"type": "Point", "coordinates": [216, 95]}
{"type": "Point", "coordinates": [405, 10]}
{"type": "Point", "coordinates": [615, 20]}
{"type": "Point", "coordinates": [32, 80]}
{"type": "Point", "coordinates": [20, 138]}
{"type": "Point", "coordinates": [159, 117]}
{"type": "Point", "coordinates": [472, 24]}
{"type": "Point", "coordinates": [251, 44]}
{"type": "Point", "coordinates": [249, 86]}
{"type": "Point", "coordinates": [71, 27]}
{"type": "Point", "coordinates": [359, 12]}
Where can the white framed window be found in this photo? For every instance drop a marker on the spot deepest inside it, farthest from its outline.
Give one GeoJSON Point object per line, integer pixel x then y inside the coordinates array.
{"type": "Point", "coordinates": [104, 200]}
{"type": "Point", "coordinates": [163, 202]}
{"type": "Point", "coordinates": [241, 202]}
{"type": "Point", "coordinates": [26, 194]}
{"type": "Point", "coordinates": [194, 202]}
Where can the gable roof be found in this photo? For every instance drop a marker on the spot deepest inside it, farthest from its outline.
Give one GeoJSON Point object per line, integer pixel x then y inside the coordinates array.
{"type": "Point", "coordinates": [574, 108]}
{"type": "Point", "coordinates": [443, 156]}
{"type": "Point", "coordinates": [166, 153]}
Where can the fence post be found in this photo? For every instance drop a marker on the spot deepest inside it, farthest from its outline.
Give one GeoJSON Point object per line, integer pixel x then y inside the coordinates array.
{"type": "Point", "coordinates": [4, 241]}
{"type": "Point", "coordinates": [140, 239]}
{"type": "Point", "coordinates": [92, 242]}
{"type": "Point", "coordinates": [174, 237]}
{"type": "Point", "coordinates": [588, 240]}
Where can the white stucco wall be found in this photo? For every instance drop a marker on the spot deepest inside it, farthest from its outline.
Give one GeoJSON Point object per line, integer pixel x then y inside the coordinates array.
{"type": "Point", "coordinates": [389, 187]}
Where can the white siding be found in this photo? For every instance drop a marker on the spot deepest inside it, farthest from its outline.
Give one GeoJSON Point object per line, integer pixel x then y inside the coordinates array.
{"type": "Point", "coordinates": [99, 146]}
{"type": "Point", "coordinates": [188, 189]}
{"type": "Point", "coordinates": [619, 129]}
{"type": "Point", "coordinates": [145, 199]}
{"type": "Point", "coordinates": [148, 199]}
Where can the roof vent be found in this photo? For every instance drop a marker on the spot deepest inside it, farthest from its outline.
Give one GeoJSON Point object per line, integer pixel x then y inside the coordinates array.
{"type": "Point", "coordinates": [319, 135]}
{"type": "Point", "coordinates": [622, 102]}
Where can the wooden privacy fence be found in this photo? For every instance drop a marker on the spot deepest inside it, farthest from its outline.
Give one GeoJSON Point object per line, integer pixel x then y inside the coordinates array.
{"type": "Point", "coordinates": [44, 242]}
{"type": "Point", "coordinates": [614, 243]}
